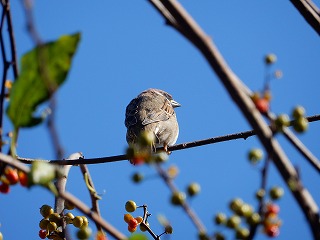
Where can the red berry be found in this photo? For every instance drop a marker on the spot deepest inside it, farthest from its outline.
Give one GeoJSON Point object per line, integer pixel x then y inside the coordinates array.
{"type": "Point", "coordinates": [272, 230]}
{"type": "Point", "coordinates": [12, 175]}
{"type": "Point", "coordinates": [42, 234]}
{"type": "Point", "coordinates": [4, 188]}
{"type": "Point", "coordinates": [23, 178]}
{"type": "Point", "coordinates": [133, 223]}
{"type": "Point", "coordinates": [137, 160]}
{"type": "Point", "coordinates": [262, 105]}
{"type": "Point", "coordinates": [273, 208]}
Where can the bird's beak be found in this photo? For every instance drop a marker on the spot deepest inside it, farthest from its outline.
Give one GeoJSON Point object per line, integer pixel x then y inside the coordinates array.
{"type": "Point", "coordinates": [175, 104]}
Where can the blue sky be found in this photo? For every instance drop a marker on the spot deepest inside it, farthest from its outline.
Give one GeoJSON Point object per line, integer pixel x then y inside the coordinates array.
{"type": "Point", "coordinates": [125, 49]}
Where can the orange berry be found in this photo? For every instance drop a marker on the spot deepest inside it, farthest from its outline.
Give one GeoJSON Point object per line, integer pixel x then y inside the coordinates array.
{"type": "Point", "coordinates": [23, 178]}
{"type": "Point", "coordinates": [132, 229]}
{"type": "Point", "coordinates": [127, 217]}
{"type": "Point", "coordinates": [139, 219]}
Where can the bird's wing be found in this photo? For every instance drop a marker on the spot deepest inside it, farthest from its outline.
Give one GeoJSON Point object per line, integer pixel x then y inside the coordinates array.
{"type": "Point", "coordinates": [160, 114]}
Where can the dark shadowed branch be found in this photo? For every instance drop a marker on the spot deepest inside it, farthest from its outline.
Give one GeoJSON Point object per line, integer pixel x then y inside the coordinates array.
{"type": "Point", "coordinates": [310, 12]}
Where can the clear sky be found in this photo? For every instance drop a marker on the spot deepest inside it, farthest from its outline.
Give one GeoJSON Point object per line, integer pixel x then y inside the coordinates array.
{"type": "Point", "coordinates": [126, 48]}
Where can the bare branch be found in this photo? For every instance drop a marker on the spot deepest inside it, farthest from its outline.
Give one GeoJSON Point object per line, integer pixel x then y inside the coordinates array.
{"type": "Point", "coordinates": [310, 12]}
{"type": "Point", "coordinates": [181, 146]}
{"type": "Point", "coordinates": [93, 193]}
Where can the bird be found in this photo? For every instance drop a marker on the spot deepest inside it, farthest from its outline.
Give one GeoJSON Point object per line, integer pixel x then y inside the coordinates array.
{"type": "Point", "coordinates": [153, 111]}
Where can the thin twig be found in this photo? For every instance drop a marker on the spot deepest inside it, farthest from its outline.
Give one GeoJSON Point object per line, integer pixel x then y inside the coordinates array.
{"type": "Point", "coordinates": [70, 198]}
{"type": "Point", "coordinates": [192, 215]}
{"type": "Point", "coordinates": [302, 149]}
{"type": "Point", "coordinates": [263, 186]}
{"type": "Point", "coordinates": [310, 12]}
{"type": "Point", "coordinates": [6, 66]}
{"type": "Point", "coordinates": [181, 146]}
{"type": "Point", "coordinates": [93, 194]}
{"type": "Point", "coordinates": [241, 98]}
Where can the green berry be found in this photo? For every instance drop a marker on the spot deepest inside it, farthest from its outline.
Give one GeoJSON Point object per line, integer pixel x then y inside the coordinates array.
{"type": "Point", "coordinates": [282, 121]}
{"type": "Point", "coordinates": [143, 228]}
{"type": "Point", "coordinates": [137, 177]}
{"type": "Point", "coordinates": [69, 217]}
{"type": "Point", "coordinates": [203, 236]}
{"type": "Point", "coordinates": [220, 218]}
{"type": "Point", "coordinates": [255, 155]}
{"type": "Point", "coordinates": [233, 221]}
{"type": "Point", "coordinates": [254, 219]}
{"type": "Point", "coordinates": [276, 193]}
{"type": "Point", "coordinates": [54, 217]}
{"type": "Point", "coordinates": [193, 189]}
{"type": "Point", "coordinates": [298, 112]}
{"type": "Point", "coordinates": [85, 223]}
{"type": "Point", "coordinates": [260, 193]}
{"type": "Point", "coordinates": [146, 138]}
{"type": "Point", "coordinates": [245, 210]}
{"type": "Point", "coordinates": [160, 157]}
{"type": "Point", "coordinates": [242, 233]}
{"type": "Point", "coordinates": [84, 233]}
{"type": "Point", "coordinates": [168, 229]}
{"type": "Point", "coordinates": [130, 206]}
{"type": "Point", "coordinates": [218, 236]}
{"type": "Point", "coordinates": [77, 221]}
{"type": "Point", "coordinates": [270, 58]}
{"type": "Point", "coordinates": [52, 226]}
{"type": "Point", "coordinates": [300, 124]}
{"type": "Point", "coordinates": [178, 198]}
{"type": "Point", "coordinates": [236, 204]}
{"type": "Point", "coordinates": [46, 211]}
{"type": "Point", "coordinates": [43, 224]}
{"type": "Point", "coordinates": [68, 205]}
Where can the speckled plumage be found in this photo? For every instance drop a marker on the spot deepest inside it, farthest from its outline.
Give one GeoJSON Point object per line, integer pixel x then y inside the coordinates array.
{"type": "Point", "coordinates": [153, 110]}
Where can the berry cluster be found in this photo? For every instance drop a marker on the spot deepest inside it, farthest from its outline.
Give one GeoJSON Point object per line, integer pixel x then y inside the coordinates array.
{"type": "Point", "coordinates": [142, 151]}
{"type": "Point", "coordinates": [133, 223]}
{"type": "Point", "coordinates": [244, 214]}
{"type": "Point", "coordinates": [300, 123]}
{"type": "Point", "coordinates": [51, 224]}
{"type": "Point", "coordinates": [10, 177]}
{"type": "Point", "coordinates": [142, 222]}
{"type": "Point", "coordinates": [262, 99]}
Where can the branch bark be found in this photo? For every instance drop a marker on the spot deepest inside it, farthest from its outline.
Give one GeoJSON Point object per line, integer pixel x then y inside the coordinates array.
{"type": "Point", "coordinates": [241, 98]}
{"type": "Point", "coordinates": [310, 12]}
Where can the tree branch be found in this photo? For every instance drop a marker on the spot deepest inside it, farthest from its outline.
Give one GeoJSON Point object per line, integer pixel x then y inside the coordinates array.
{"type": "Point", "coordinates": [241, 98]}
{"type": "Point", "coordinates": [93, 194]}
{"type": "Point", "coordinates": [181, 146]}
{"type": "Point", "coordinates": [70, 198]}
{"type": "Point", "coordinates": [310, 12]}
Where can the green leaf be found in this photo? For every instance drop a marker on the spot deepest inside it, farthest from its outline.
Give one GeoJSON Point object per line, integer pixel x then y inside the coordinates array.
{"type": "Point", "coordinates": [43, 70]}
{"type": "Point", "coordinates": [138, 237]}
{"type": "Point", "coordinates": [41, 173]}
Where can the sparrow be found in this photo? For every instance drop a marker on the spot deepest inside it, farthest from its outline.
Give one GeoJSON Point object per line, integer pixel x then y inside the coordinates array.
{"type": "Point", "coordinates": [153, 111]}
